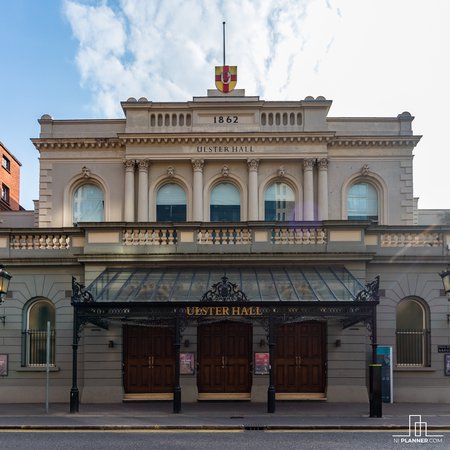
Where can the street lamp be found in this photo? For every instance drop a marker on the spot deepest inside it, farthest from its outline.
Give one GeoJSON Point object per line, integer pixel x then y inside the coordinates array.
{"type": "Point", "coordinates": [5, 278]}
{"type": "Point", "coordinates": [446, 281]}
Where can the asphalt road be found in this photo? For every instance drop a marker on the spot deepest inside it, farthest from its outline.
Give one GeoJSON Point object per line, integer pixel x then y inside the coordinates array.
{"type": "Point", "coordinates": [217, 440]}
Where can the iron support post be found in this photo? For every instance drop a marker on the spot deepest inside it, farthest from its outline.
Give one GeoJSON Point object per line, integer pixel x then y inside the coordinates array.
{"type": "Point", "coordinates": [177, 387]}
{"type": "Point", "coordinates": [74, 393]}
{"type": "Point", "coordinates": [271, 390]}
{"type": "Point", "coordinates": [375, 401]}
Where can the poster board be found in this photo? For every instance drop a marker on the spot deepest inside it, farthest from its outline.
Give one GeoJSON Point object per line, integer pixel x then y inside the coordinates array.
{"type": "Point", "coordinates": [262, 366]}
{"type": "Point", "coordinates": [3, 365]}
{"type": "Point", "coordinates": [187, 363]}
{"type": "Point", "coordinates": [384, 357]}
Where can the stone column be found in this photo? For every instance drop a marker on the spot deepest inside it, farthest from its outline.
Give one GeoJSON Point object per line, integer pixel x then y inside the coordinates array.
{"type": "Point", "coordinates": [128, 211]}
{"type": "Point", "coordinates": [197, 208]}
{"type": "Point", "coordinates": [143, 191]}
{"type": "Point", "coordinates": [308, 194]}
{"type": "Point", "coordinates": [253, 189]}
{"type": "Point", "coordinates": [323, 190]}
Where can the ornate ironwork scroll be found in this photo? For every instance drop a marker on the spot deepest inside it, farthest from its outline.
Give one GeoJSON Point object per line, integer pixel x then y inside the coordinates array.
{"type": "Point", "coordinates": [79, 293]}
{"type": "Point", "coordinates": [224, 291]}
{"type": "Point", "coordinates": [370, 293]}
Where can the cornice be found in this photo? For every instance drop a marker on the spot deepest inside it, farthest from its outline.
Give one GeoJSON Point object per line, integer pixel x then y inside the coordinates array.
{"type": "Point", "coordinates": [78, 143]}
{"type": "Point", "coordinates": [233, 139]}
{"type": "Point", "coordinates": [237, 139]}
{"type": "Point", "coordinates": [375, 141]}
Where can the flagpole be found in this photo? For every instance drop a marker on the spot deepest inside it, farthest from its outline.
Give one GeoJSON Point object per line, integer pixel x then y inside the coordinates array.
{"type": "Point", "coordinates": [223, 23]}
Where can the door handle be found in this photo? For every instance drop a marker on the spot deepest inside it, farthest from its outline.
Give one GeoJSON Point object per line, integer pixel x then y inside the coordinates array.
{"type": "Point", "coordinates": [299, 361]}
{"type": "Point", "coordinates": [223, 362]}
{"type": "Point", "coordinates": [149, 362]}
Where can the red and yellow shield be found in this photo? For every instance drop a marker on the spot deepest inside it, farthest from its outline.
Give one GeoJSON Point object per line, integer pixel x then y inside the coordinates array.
{"type": "Point", "coordinates": [226, 78]}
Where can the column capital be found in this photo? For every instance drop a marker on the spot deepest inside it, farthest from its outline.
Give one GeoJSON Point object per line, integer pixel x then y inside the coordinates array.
{"type": "Point", "coordinates": [253, 165]}
{"type": "Point", "coordinates": [308, 164]}
{"type": "Point", "coordinates": [143, 164]}
{"type": "Point", "coordinates": [197, 164]}
{"type": "Point", "coordinates": [129, 164]}
{"type": "Point", "coordinates": [323, 164]}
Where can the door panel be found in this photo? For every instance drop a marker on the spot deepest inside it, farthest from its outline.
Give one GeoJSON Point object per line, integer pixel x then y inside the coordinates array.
{"type": "Point", "coordinates": [300, 358]}
{"type": "Point", "coordinates": [149, 359]}
{"type": "Point", "coordinates": [224, 354]}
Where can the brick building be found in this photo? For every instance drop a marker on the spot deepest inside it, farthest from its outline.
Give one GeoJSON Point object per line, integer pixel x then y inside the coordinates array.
{"type": "Point", "coordinates": [9, 181]}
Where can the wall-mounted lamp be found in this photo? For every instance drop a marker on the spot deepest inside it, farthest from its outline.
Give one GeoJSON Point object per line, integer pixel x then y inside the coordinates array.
{"type": "Point", "coordinates": [5, 278]}
{"type": "Point", "coordinates": [111, 344]}
{"type": "Point", "coordinates": [445, 275]}
{"type": "Point", "coordinates": [337, 343]}
{"type": "Point", "coordinates": [262, 342]}
{"type": "Point", "coordinates": [186, 343]}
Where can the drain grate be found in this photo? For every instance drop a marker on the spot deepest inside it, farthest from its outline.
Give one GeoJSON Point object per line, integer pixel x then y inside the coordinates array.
{"type": "Point", "coordinates": [236, 417]}
{"type": "Point", "coordinates": [254, 427]}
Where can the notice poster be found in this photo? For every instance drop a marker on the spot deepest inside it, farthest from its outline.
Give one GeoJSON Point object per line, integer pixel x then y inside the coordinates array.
{"type": "Point", "coordinates": [447, 365]}
{"type": "Point", "coordinates": [3, 365]}
{"type": "Point", "coordinates": [187, 363]}
{"type": "Point", "coordinates": [262, 365]}
{"type": "Point", "coordinates": [384, 357]}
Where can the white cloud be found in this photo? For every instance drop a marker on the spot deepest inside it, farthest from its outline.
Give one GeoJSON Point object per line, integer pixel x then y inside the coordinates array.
{"type": "Point", "coordinates": [370, 57]}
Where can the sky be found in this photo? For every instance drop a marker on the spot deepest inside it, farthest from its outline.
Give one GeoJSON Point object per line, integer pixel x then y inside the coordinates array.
{"type": "Point", "coordinates": [77, 59]}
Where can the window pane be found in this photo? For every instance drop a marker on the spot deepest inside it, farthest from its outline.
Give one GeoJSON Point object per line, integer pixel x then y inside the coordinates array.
{"type": "Point", "coordinates": [412, 336]}
{"type": "Point", "coordinates": [41, 313]}
{"type": "Point", "coordinates": [88, 205]}
{"type": "Point", "coordinates": [279, 202]}
{"type": "Point", "coordinates": [171, 204]}
{"type": "Point", "coordinates": [225, 203]}
{"type": "Point", "coordinates": [410, 316]}
{"type": "Point", "coordinates": [35, 335]}
{"type": "Point", "coordinates": [362, 202]}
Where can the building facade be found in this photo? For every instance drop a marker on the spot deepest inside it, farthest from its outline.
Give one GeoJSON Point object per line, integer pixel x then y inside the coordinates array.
{"type": "Point", "coordinates": [225, 248]}
{"type": "Point", "coordinates": [10, 181]}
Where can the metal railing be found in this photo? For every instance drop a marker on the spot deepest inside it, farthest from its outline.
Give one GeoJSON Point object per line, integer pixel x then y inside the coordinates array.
{"type": "Point", "coordinates": [34, 345]}
{"type": "Point", "coordinates": [413, 348]}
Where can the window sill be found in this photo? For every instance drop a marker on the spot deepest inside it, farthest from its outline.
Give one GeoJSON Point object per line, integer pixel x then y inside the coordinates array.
{"type": "Point", "coordinates": [37, 369]}
{"type": "Point", "coordinates": [414, 369]}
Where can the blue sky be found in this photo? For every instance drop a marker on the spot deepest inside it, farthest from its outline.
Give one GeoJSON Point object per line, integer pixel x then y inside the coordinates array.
{"type": "Point", "coordinates": [80, 58]}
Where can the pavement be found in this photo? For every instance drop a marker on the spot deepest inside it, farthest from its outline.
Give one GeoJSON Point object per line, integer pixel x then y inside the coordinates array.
{"type": "Point", "coordinates": [222, 416]}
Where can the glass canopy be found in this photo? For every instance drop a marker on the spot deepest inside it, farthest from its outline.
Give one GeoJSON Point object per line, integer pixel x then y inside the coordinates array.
{"type": "Point", "coordinates": [259, 284]}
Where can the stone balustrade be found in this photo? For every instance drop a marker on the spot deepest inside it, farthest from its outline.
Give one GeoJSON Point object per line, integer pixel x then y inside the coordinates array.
{"type": "Point", "coordinates": [39, 241]}
{"type": "Point", "coordinates": [150, 236]}
{"type": "Point", "coordinates": [302, 235]}
{"type": "Point", "coordinates": [224, 236]}
{"type": "Point", "coordinates": [404, 239]}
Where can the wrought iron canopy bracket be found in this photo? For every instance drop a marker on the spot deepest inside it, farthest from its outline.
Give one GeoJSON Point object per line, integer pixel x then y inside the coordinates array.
{"type": "Point", "coordinates": [80, 294]}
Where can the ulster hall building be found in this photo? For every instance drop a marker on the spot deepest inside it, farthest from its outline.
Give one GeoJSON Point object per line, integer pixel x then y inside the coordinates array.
{"type": "Point", "coordinates": [224, 248]}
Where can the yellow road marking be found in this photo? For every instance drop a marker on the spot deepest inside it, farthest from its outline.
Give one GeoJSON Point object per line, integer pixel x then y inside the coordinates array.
{"type": "Point", "coordinates": [55, 430]}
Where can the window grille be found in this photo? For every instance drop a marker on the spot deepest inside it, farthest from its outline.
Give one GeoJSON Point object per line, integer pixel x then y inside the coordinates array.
{"type": "Point", "coordinates": [413, 348]}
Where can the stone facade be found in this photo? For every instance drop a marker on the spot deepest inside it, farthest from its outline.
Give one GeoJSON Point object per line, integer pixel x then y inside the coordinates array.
{"type": "Point", "coordinates": [250, 144]}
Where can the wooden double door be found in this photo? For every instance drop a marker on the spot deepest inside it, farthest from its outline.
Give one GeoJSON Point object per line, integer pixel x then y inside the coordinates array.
{"type": "Point", "coordinates": [224, 356]}
{"type": "Point", "coordinates": [149, 359]}
{"type": "Point", "coordinates": [300, 358]}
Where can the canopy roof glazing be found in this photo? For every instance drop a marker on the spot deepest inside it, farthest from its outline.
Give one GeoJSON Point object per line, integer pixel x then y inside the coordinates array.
{"type": "Point", "coordinates": [259, 284]}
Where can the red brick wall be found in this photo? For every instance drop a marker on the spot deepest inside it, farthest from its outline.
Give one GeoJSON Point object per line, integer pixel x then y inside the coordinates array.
{"type": "Point", "coordinates": [11, 179]}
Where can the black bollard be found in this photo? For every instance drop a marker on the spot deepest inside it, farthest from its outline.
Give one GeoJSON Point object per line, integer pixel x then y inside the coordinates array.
{"type": "Point", "coordinates": [376, 408]}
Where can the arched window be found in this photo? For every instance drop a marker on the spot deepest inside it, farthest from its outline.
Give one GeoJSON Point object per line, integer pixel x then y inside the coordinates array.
{"type": "Point", "coordinates": [413, 334]}
{"type": "Point", "coordinates": [279, 202]}
{"type": "Point", "coordinates": [225, 203]}
{"type": "Point", "coordinates": [37, 316]}
{"type": "Point", "coordinates": [88, 204]}
{"type": "Point", "coordinates": [362, 202]}
{"type": "Point", "coordinates": [171, 204]}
